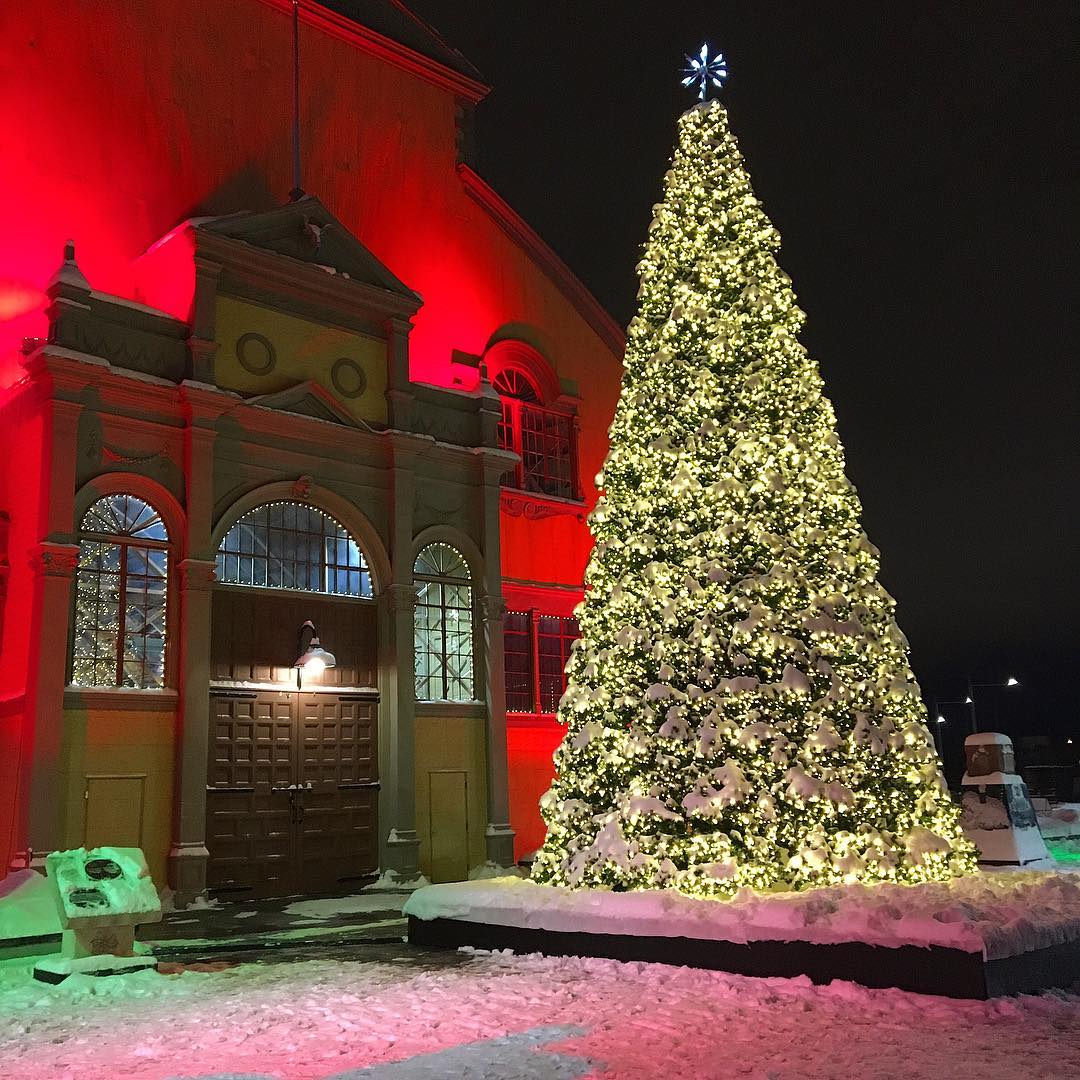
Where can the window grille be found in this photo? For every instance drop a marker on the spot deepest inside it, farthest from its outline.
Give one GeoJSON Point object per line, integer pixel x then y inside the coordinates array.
{"type": "Point", "coordinates": [546, 440]}
{"type": "Point", "coordinates": [121, 591]}
{"type": "Point", "coordinates": [286, 545]}
{"type": "Point", "coordinates": [444, 626]}
{"type": "Point", "coordinates": [537, 648]}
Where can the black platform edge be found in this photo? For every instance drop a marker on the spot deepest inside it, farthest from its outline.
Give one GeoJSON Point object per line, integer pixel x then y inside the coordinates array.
{"type": "Point", "coordinates": [30, 945]}
{"type": "Point", "coordinates": [931, 970]}
{"type": "Point", "coordinates": [55, 978]}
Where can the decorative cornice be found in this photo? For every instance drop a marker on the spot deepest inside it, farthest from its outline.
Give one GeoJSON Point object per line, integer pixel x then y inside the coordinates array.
{"type": "Point", "coordinates": [533, 507]}
{"type": "Point", "coordinates": [56, 560]}
{"type": "Point", "coordinates": [492, 608]}
{"type": "Point", "coordinates": [401, 597]}
{"type": "Point", "coordinates": [545, 721]}
{"type": "Point", "coordinates": [266, 270]}
{"type": "Point", "coordinates": [523, 234]}
{"type": "Point", "coordinates": [120, 700]}
{"type": "Point", "coordinates": [197, 575]}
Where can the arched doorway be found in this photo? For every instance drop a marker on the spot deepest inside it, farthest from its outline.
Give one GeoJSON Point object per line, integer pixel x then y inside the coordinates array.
{"type": "Point", "coordinates": [292, 780]}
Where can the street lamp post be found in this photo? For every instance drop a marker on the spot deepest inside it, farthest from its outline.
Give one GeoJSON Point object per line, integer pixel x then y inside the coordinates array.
{"type": "Point", "coordinates": [969, 701]}
{"type": "Point", "coordinates": [939, 720]}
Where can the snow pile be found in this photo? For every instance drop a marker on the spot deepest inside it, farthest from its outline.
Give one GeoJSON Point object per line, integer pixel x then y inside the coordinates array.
{"type": "Point", "coordinates": [984, 814]}
{"type": "Point", "coordinates": [1061, 821]}
{"type": "Point", "coordinates": [525, 1017]}
{"type": "Point", "coordinates": [334, 907]}
{"type": "Point", "coordinates": [27, 906]}
{"type": "Point", "coordinates": [392, 881]}
{"type": "Point", "coordinates": [997, 915]}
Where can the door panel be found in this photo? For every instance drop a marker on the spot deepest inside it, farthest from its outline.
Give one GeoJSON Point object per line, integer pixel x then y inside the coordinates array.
{"type": "Point", "coordinates": [292, 799]}
{"type": "Point", "coordinates": [449, 826]}
{"type": "Point", "coordinates": [339, 798]}
{"type": "Point", "coordinates": [114, 811]}
{"type": "Point", "coordinates": [249, 832]}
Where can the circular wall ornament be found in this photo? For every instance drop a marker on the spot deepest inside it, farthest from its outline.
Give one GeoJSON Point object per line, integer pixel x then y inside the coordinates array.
{"type": "Point", "coordinates": [348, 378]}
{"type": "Point", "coordinates": [87, 898]}
{"type": "Point", "coordinates": [103, 869]}
{"type": "Point", "coordinates": [256, 354]}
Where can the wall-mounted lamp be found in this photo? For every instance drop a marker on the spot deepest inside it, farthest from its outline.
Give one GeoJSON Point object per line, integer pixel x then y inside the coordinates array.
{"type": "Point", "coordinates": [313, 658]}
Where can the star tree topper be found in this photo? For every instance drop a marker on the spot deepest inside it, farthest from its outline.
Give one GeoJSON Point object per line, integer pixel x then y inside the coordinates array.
{"type": "Point", "coordinates": [705, 71]}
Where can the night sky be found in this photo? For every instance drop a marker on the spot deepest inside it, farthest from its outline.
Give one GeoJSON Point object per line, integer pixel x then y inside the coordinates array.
{"type": "Point", "coordinates": [913, 157]}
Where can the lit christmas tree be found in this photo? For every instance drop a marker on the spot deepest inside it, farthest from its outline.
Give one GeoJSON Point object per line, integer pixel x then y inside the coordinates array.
{"type": "Point", "coordinates": [741, 710]}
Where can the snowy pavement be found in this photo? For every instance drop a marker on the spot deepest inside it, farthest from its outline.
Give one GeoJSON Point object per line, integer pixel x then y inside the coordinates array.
{"type": "Point", "coordinates": [497, 1016]}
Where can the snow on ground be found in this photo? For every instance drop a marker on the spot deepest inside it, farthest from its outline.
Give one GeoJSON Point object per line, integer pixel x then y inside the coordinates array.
{"type": "Point", "coordinates": [504, 1017]}
{"type": "Point", "coordinates": [333, 907]}
{"type": "Point", "coordinates": [995, 914]}
{"type": "Point", "coordinates": [27, 906]}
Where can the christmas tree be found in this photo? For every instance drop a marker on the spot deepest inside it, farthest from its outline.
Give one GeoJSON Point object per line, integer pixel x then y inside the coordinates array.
{"type": "Point", "coordinates": [740, 707]}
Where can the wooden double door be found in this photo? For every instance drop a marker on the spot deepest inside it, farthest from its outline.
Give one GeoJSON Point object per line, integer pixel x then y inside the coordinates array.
{"type": "Point", "coordinates": [292, 793]}
{"type": "Point", "coordinates": [292, 774]}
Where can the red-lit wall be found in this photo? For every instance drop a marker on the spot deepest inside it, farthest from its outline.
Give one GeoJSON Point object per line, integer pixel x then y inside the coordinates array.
{"type": "Point", "coordinates": [123, 117]}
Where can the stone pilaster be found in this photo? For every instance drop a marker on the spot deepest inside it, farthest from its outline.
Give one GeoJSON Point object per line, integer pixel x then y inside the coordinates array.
{"type": "Point", "coordinates": [54, 567]}
{"type": "Point", "coordinates": [499, 834]}
{"type": "Point", "coordinates": [399, 394]}
{"type": "Point", "coordinates": [397, 718]}
{"type": "Point", "coordinates": [54, 562]}
{"type": "Point", "coordinates": [188, 854]}
{"type": "Point", "coordinates": [401, 847]}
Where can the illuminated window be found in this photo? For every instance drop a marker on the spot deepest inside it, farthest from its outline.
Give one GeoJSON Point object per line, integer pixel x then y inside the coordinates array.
{"type": "Point", "coordinates": [121, 588]}
{"type": "Point", "coordinates": [536, 648]}
{"type": "Point", "coordinates": [444, 626]}
{"type": "Point", "coordinates": [286, 545]}
{"type": "Point", "coordinates": [546, 440]}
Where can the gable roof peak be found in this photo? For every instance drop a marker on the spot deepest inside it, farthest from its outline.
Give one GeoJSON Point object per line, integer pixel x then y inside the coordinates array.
{"type": "Point", "coordinates": [305, 229]}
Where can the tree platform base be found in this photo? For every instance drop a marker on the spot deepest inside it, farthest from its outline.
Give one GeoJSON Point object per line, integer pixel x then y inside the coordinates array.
{"type": "Point", "coordinates": [933, 970]}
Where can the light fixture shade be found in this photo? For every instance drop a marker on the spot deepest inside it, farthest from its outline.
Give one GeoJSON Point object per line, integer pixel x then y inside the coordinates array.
{"type": "Point", "coordinates": [1012, 682]}
{"type": "Point", "coordinates": [316, 655]}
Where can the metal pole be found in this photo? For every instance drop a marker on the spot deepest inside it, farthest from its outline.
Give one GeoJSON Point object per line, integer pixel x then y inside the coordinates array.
{"type": "Point", "coordinates": [297, 191]}
{"type": "Point", "coordinates": [971, 706]}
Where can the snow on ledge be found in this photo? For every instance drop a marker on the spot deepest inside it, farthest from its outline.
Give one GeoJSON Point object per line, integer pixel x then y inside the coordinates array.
{"type": "Point", "coordinates": [997, 915]}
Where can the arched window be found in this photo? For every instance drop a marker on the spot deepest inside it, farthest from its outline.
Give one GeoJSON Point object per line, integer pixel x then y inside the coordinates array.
{"type": "Point", "coordinates": [121, 589]}
{"type": "Point", "coordinates": [512, 383]}
{"type": "Point", "coordinates": [546, 439]}
{"type": "Point", "coordinates": [287, 545]}
{"type": "Point", "coordinates": [444, 625]}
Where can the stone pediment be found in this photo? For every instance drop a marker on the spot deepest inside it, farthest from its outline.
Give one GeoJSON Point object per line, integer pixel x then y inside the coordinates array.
{"type": "Point", "coordinates": [307, 399]}
{"type": "Point", "coordinates": [304, 229]}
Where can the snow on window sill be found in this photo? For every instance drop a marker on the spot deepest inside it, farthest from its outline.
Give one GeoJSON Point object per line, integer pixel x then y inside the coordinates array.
{"type": "Point", "coordinates": [120, 698]}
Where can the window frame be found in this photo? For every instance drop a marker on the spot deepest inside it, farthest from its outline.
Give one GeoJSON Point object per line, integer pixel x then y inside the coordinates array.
{"type": "Point", "coordinates": [124, 542]}
{"type": "Point", "coordinates": [526, 428]}
{"type": "Point", "coordinates": [325, 568]}
{"type": "Point", "coordinates": [535, 676]}
{"type": "Point", "coordinates": [444, 581]}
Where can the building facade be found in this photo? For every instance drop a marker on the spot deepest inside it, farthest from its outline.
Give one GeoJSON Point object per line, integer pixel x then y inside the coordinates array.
{"type": "Point", "coordinates": [234, 421]}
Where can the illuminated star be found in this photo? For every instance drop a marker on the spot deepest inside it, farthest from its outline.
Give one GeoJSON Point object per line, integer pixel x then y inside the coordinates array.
{"type": "Point", "coordinates": [705, 71]}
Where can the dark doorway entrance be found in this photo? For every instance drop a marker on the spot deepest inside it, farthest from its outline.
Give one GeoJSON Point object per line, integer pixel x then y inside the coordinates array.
{"type": "Point", "coordinates": [292, 774]}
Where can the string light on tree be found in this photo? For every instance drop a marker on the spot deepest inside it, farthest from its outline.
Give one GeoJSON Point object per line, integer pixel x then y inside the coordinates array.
{"type": "Point", "coordinates": [740, 707]}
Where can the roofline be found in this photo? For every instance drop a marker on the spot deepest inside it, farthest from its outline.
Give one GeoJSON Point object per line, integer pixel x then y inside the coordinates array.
{"type": "Point", "coordinates": [526, 237]}
{"type": "Point", "coordinates": [386, 49]}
